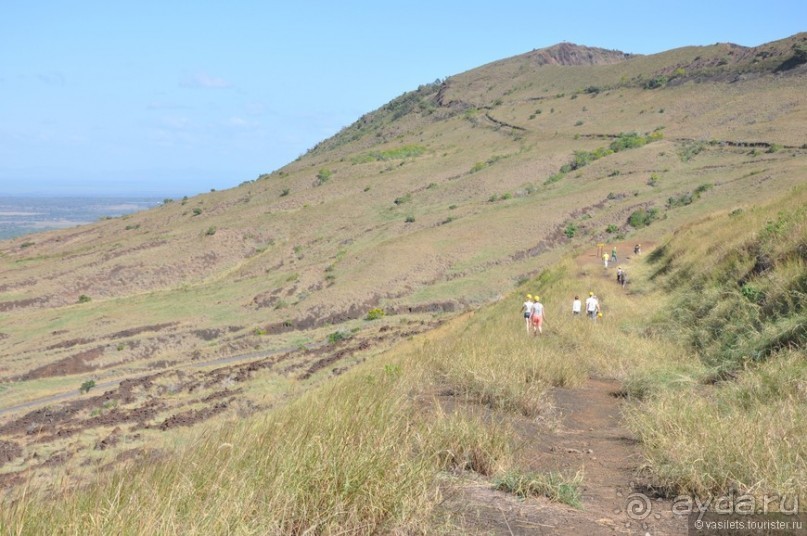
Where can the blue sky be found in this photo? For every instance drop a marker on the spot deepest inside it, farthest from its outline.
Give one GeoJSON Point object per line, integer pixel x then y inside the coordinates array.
{"type": "Point", "coordinates": [178, 97]}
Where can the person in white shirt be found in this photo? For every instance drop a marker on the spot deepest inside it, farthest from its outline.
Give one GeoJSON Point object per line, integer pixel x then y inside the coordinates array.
{"type": "Point", "coordinates": [592, 306]}
{"type": "Point", "coordinates": [527, 309]}
{"type": "Point", "coordinates": [577, 306]}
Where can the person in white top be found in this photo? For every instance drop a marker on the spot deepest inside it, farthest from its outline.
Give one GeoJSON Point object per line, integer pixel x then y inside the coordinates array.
{"type": "Point", "coordinates": [537, 316]}
{"type": "Point", "coordinates": [577, 306]}
{"type": "Point", "coordinates": [527, 309]}
{"type": "Point", "coordinates": [592, 306]}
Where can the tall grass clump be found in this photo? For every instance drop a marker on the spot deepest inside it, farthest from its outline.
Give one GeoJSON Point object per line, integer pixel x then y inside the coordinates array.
{"type": "Point", "coordinates": [745, 435]}
{"type": "Point", "coordinates": [361, 454]}
{"type": "Point", "coordinates": [554, 486]}
{"type": "Point", "coordinates": [737, 299]}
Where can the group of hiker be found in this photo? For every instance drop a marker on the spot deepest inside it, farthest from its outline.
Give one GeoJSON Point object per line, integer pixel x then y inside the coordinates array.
{"type": "Point", "coordinates": [535, 312]}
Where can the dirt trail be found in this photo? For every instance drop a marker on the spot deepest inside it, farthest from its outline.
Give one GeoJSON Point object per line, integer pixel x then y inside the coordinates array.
{"type": "Point", "coordinates": [589, 439]}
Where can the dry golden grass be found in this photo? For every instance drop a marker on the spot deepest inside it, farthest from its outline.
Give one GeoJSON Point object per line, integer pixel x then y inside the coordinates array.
{"type": "Point", "coordinates": [275, 258]}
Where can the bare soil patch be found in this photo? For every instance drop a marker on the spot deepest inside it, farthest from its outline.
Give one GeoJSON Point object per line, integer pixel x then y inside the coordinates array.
{"type": "Point", "coordinates": [589, 438]}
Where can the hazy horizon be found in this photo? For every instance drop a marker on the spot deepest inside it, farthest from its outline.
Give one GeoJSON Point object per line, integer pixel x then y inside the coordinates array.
{"type": "Point", "coordinates": [25, 215]}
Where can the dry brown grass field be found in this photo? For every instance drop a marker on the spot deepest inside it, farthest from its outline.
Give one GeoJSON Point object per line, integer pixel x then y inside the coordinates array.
{"type": "Point", "coordinates": [228, 305]}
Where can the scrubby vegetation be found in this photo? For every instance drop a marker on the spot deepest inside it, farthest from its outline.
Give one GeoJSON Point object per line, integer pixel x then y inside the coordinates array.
{"type": "Point", "coordinates": [715, 386]}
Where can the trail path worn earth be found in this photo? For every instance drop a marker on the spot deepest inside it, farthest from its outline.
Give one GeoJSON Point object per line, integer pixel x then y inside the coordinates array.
{"type": "Point", "coordinates": [590, 439]}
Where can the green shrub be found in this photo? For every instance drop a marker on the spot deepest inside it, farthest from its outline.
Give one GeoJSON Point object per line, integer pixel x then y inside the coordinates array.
{"type": "Point", "coordinates": [84, 299]}
{"type": "Point", "coordinates": [403, 199]}
{"type": "Point", "coordinates": [284, 192]}
{"type": "Point", "coordinates": [375, 313]}
{"type": "Point", "coordinates": [656, 82]}
{"type": "Point", "coordinates": [612, 228]}
{"type": "Point", "coordinates": [86, 386]}
{"type": "Point", "coordinates": [629, 140]}
{"type": "Point", "coordinates": [410, 219]}
{"type": "Point", "coordinates": [323, 176]}
{"type": "Point", "coordinates": [642, 217]}
{"type": "Point", "coordinates": [197, 211]}
{"type": "Point", "coordinates": [338, 336]}
{"type": "Point", "coordinates": [479, 166]}
{"type": "Point", "coordinates": [680, 200]}
{"type": "Point", "coordinates": [570, 231]}
{"type": "Point", "coordinates": [210, 231]}
{"type": "Point", "coordinates": [690, 150]}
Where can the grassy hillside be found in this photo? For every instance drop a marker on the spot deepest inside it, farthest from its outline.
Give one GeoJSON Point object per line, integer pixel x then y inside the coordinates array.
{"type": "Point", "coordinates": [378, 448]}
{"type": "Point", "coordinates": [225, 305]}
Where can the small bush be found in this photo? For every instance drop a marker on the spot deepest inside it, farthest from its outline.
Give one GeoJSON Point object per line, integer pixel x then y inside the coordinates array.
{"type": "Point", "coordinates": [338, 336]}
{"type": "Point", "coordinates": [656, 82]}
{"type": "Point", "coordinates": [375, 313]}
{"type": "Point", "coordinates": [410, 219]}
{"type": "Point", "coordinates": [84, 299]}
{"type": "Point", "coordinates": [612, 228]}
{"type": "Point", "coordinates": [197, 211]}
{"type": "Point", "coordinates": [86, 386]}
{"type": "Point", "coordinates": [403, 199]}
{"type": "Point", "coordinates": [690, 150]}
{"type": "Point", "coordinates": [285, 192]}
{"type": "Point", "coordinates": [479, 166]}
{"type": "Point", "coordinates": [680, 200]}
{"type": "Point", "coordinates": [323, 176]}
{"type": "Point", "coordinates": [570, 231]}
{"type": "Point", "coordinates": [642, 217]}
{"type": "Point", "coordinates": [210, 231]}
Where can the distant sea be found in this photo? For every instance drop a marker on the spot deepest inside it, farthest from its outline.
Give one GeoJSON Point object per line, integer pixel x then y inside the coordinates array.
{"type": "Point", "coordinates": [25, 215]}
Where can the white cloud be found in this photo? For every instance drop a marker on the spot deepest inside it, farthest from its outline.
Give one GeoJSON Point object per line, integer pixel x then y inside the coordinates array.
{"type": "Point", "coordinates": [205, 81]}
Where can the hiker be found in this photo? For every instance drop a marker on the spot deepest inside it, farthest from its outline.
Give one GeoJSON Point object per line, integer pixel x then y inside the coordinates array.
{"type": "Point", "coordinates": [637, 249]}
{"type": "Point", "coordinates": [577, 306]}
{"type": "Point", "coordinates": [619, 275]}
{"type": "Point", "coordinates": [605, 260]}
{"type": "Point", "coordinates": [592, 306]}
{"type": "Point", "coordinates": [527, 309]}
{"type": "Point", "coordinates": [624, 279]}
{"type": "Point", "coordinates": [613, 254]}
{"type": "Point", "coordinates": [537, 316]}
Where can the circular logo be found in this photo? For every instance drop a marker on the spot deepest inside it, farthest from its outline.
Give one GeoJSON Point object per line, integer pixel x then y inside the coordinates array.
{"type": "Point", "coordinates": [638, 506]}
